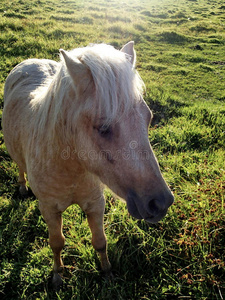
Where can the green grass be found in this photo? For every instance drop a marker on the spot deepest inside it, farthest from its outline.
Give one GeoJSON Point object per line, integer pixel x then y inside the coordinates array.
{"type": "Point", "coordinates": [180, 56]}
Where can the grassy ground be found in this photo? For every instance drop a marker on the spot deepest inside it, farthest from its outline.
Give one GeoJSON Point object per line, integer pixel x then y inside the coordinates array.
{"type": "Point", "coordinates": [180, 50]}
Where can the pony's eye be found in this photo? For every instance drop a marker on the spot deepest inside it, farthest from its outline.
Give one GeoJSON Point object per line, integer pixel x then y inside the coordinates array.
{"type": "Point", "coordinates": [104, 130]}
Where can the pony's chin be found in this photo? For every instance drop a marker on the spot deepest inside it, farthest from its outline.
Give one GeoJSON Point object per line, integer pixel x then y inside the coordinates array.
{"type": "Point", "coordinates": [132, 209]}
{"type": "Point", "coordinates": [156, 219]}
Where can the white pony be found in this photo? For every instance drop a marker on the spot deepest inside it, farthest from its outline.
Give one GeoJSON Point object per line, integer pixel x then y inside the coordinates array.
{"type": "Point", "coordinates": [77, 125]}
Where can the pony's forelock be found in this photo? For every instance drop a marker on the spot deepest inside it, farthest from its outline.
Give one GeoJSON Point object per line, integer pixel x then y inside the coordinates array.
{"type": "Point", "coordinates": [117, 88]}
{"type": "Point", "coordinates": [117, 85]}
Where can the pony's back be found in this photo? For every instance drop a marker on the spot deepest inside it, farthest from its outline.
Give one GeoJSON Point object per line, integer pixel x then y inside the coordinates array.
{"type": "Point", "coordinates": [28, 76]}
{"type": "Point", "coordinates": [23, 80]}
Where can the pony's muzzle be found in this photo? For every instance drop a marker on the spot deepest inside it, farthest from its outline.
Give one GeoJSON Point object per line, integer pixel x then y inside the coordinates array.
{"type": "Point", "coordinates": [150, 209]}
{"type": "Point", "coordinates": [157, 208]}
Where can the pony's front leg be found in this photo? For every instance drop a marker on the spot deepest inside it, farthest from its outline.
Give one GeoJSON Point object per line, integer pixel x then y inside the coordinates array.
{"type": "Point", "coordinates": [56, 241]}
{"type": "Point", "coordinates": [95, 219]}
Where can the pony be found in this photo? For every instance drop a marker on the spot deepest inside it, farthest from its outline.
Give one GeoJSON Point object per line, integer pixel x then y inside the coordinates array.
{"type": "Point", "coordinates": [76, 126]}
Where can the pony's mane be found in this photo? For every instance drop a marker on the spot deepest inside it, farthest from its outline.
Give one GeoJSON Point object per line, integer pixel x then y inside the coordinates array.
{"type": "Point", "coordinates": [117, 88]}
{"type": "Point", "coordinates": [117, 85]}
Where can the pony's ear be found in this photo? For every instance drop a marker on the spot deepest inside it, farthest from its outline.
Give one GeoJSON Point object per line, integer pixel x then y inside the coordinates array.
{"type": "Point", "coordinates": [77, 70]}
{"type": "Point", "coordinates": [74, 65]}
{"type": "Point", "coordinates": [129, 49]}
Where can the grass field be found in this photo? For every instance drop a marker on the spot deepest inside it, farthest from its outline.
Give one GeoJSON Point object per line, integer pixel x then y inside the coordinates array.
{"type": "Point", "coordinates": [181, 57]}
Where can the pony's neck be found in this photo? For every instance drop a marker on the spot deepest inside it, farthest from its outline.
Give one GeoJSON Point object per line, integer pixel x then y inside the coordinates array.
{"type": "Point", "coordinates": [62, 106]}
{"type": "Point", "coordinates": [50, 105]}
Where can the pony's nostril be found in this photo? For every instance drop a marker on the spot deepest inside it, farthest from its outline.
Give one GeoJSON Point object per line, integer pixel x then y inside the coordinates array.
{"type": "Point", "coordinates": [153, 208]}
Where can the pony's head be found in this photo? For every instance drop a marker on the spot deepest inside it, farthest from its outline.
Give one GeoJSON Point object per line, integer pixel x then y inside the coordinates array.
{"type": "Point", "coordinates": [109, 124]}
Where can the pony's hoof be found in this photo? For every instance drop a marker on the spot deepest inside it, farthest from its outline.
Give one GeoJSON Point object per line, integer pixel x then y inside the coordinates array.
{"type": "Point", "coordinates": [23, 191]}
{"type": "Point", "coordinates": [108, 276]}
{"type": "Point", "coordinates": [57, 282]}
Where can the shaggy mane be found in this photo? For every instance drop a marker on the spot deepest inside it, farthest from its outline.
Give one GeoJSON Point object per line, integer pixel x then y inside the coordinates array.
{"type": "Point", "coordinates": [117, 85]}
